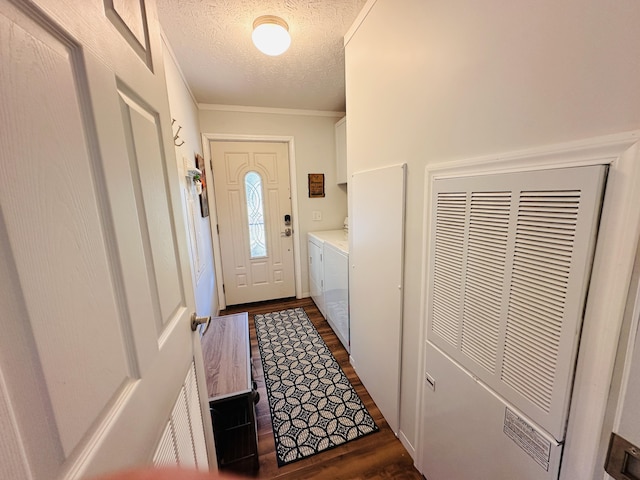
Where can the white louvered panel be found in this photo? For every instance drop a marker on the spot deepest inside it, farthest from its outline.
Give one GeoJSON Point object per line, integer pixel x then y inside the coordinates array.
{"type": "Point", "coordinates": [508, 281]}
{"type": "Point", "coordinates": [545, 235]}
{"type": "Point", "coordinates": [484, 282]}
{"type": "Point", "coordinates": [166, 455]}
{"type": "Point", "coordinates": [182, 432]}
{"type": "Point", "coordinates": [183, 440]}
{"type": "Point", "coordinates": [195, 415]}
{"type": "Point", "coordinates": [448, 262]}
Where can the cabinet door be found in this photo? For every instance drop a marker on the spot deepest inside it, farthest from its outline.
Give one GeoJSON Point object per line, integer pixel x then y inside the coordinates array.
{"type": "Point", "coordinates": [336, 292]}
{"type": "Point", "coordinates": [341, 151]}
{"type": "Point", "coordinates": [316, 275]}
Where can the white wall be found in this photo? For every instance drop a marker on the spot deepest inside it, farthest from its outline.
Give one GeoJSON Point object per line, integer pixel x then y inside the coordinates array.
{"type": "Point", "coordinates": [185, 111]}
{"type": "Point", "coordinates": [314, 153]}
{"type": "Point", "coordinates": [430, 81]}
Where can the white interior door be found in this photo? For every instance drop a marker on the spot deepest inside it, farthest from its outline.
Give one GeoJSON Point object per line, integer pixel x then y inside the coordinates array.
{"type": "Point", "coordinates": [96, 350]}
{"type": "Point", "coordinates": [253, 197]}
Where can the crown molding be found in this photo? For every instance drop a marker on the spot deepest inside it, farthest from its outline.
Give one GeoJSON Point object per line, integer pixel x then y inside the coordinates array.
{"type": "Point", "coordinates": [359, 20]}
{"type": "Point", "coordinates": [172, 54]}
{"type": "Point", "coordinates": [269, 110]}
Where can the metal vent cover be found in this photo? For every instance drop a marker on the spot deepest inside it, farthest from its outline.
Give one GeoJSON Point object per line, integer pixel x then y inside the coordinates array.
{"type": "Point", "coordinates": [509, 262]}
{"type": "Point", "coordinates": [545, 238]}
{"type": "Point", "coordinates": [448, 261]}
{"type": "Point", "coordinates": [485, 266]}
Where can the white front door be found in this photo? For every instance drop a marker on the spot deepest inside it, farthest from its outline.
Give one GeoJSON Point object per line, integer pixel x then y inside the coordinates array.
{"type": "Point", "coordinates": [95, 291]}
{"type": "Point", "coordinates": [253, 201]}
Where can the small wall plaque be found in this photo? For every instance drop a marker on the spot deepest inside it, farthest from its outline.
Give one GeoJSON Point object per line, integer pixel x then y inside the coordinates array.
{"type": "Point", "coordinates": [316, 185]}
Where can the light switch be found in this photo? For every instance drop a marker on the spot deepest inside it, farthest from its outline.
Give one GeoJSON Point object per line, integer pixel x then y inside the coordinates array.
{"type": "Point", "coordinates": [317, 215]}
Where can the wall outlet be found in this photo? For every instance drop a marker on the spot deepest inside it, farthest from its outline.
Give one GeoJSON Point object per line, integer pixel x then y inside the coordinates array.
{"type": "Point", "coordinates": [317, 215]}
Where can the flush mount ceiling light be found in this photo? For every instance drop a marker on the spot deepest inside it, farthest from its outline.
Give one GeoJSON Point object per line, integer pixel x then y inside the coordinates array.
{"type": "Point", "coordinates": [271, 35]}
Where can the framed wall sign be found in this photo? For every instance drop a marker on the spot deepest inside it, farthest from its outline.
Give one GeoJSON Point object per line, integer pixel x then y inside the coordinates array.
{"type": "Point", "coordinates": [316, 185]}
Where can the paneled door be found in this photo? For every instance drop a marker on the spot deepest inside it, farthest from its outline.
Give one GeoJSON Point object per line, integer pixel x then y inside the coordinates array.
{"type": "Point", "coordinates": [253, 201]}
{"type": "Point", "coordinates": [95, 291]}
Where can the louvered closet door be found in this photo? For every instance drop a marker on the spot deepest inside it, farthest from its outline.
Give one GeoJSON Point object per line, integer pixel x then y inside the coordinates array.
{"type": "Point", "coordinates": [510, 264]}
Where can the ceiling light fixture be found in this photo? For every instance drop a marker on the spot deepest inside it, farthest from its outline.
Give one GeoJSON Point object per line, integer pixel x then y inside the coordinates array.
{"type": "Point", "coordinates": [271, 35]}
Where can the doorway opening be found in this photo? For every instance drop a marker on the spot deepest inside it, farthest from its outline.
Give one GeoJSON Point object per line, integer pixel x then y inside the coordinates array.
{"type": "Point", "coordinates": [254, 271]}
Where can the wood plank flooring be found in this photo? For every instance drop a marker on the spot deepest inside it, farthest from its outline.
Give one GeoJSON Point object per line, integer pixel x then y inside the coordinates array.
{"type": "Point", "coordinates": [376, 456]}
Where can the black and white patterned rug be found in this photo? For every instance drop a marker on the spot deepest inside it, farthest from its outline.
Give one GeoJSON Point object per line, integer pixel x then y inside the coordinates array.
{"type": "Point", "coordinates": [313, 405]}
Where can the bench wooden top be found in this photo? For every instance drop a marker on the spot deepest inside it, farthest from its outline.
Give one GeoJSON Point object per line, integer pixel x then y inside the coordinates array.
{"type": "Point", "coordinates": [226, 351]}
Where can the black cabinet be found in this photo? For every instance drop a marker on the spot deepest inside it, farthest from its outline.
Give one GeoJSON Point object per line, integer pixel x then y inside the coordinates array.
{"type": "Point", "coordinates": [226, 352]}
{"type": "Point", "coordinates": [235, 432]}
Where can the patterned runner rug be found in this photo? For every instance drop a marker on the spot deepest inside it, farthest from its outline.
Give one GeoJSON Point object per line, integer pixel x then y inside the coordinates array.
{"type": "Point", "coordinates": [313, 405]}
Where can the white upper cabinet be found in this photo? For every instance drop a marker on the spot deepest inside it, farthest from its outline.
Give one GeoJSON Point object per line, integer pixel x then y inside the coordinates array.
{"type": "Point", "coordinates": [341, 151]}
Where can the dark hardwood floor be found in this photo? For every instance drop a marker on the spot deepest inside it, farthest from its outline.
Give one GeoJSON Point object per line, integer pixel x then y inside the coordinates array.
{"type": "Point", "coordinates": [376, 456]}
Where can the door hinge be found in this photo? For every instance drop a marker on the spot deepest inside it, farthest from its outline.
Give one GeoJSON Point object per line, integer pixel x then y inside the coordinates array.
{"type": "Point", "coordinates": [211, 165]}
{"type": "Point", "coordinates": [218, 228]}
{"type": "Point", "coordinates": [223, 290]}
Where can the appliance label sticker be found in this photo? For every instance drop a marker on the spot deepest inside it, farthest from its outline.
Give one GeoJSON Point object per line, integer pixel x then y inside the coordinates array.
{"type": "Point", "coordinates": [527, 438]}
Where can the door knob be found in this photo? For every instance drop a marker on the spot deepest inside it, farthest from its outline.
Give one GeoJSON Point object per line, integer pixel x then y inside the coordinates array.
{"type": "Point", "coordinates": [287, 233]}
{"type": "Point", "coordinates": [196, 320]}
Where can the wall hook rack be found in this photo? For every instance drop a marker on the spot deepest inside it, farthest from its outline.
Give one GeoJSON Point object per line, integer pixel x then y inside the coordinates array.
{"type": "Point", "coordinates": [176, 136]}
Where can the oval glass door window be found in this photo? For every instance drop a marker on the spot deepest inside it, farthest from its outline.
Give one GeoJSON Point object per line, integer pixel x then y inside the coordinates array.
{"type": "Point", "coordinates": [255, 214]}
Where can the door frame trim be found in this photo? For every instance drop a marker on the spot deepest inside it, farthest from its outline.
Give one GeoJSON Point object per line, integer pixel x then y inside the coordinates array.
{"type": "Point", "coordinates": [217, 251]}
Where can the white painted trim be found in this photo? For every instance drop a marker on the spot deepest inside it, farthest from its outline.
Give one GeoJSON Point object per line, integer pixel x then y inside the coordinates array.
{"type": "Point", "coordinates": [269, 110]}
{"type": "Point", "coordinates": [612, 269]}
{"type": "Point", "coordinates": [632, 339]}
{"type": "Point", "coordinates": [624, 365]}
{"type": "Point", "coordinates": [172, 54]}
{"type": "Point", "coordinates": [569, 154]}
{"type": "Point", "coordinates": [293, 176]}
{"type": "Point", "coordinates": [418, 459]}
{"type": "Point", "coordinates": [407, 444]}
{"type": "Point", "coordinates": [608, 292]}
{"type": "Point", "coordinates": [217, 252]}
{"type": "Point", "coordinates": [213, 225]}
{"type": "Point", "coordinates": [358, 21]}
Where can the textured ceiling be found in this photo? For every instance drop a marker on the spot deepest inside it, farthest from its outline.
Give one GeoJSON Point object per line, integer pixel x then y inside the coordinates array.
{"type": "Point", "coordinates": [211, 40]}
